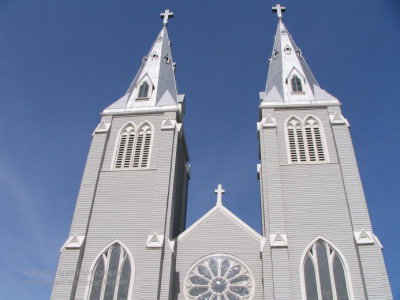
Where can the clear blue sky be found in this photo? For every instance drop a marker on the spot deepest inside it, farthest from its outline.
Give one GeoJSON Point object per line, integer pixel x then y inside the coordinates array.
{"type": "Point", "coordinates": [63, 61]}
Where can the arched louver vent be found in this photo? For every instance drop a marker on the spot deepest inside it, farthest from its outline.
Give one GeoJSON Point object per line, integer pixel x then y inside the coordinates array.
{"type": "Point", "coordinates": [314, 140]}
{"type": "Point", "coordinates": [125, 147]}
{"type": "Point", "coordinates": [324, 273]}
{"type": "Point", "coordinates": [305, 141]}
{"type": "Point", "coordinates": [111, 275]}
{"type": "Point", "coordinates": [134, 147]}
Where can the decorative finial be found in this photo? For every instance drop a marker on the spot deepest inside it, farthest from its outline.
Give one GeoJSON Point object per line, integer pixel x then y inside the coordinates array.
{"type": "Point", "coordinates": [165, 16]}
{"type": "Point", "coordinates": [279, 10]}
{"type": "Point", "coordinates": [219, 191]}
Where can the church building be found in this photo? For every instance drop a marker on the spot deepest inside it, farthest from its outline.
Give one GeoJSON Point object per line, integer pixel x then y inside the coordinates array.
{"type": "Point", "coordinates": [128, 239]}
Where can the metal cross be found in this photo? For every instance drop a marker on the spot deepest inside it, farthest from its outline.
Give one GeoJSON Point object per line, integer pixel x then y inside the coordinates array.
{"type": "Point", "coordinates": [219, 191]}
{"type": "Point", "coordinates": [166, 15]}
{"type": "Point", "coordinates": [279, 10]}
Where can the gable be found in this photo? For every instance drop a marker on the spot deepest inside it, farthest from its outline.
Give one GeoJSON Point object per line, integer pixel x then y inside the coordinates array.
{"type": "Point", "coordinates": [219, 224]}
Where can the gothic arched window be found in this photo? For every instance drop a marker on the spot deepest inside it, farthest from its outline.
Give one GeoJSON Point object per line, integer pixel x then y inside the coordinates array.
{"type": "Point", "coordinates": [296, 140]}
{"type": "Point", "coordinates": [134, 147]}
{"type": "Point", "coordinates": [324, 273]}
{"type": "Point", "coordinates": [296, 84]}
{"type": "Point", "coordinates": [125, 147]}
{"type": "Point", "coordinates": [144, 90]}
{"type": "Point", "coordinates": [142, 147]}
{"type": "Point", "coordinates": [305, 140]}
{"type": "Point", "coordinates": [314, 140]}
{"type": "Point", "coordinates": [111, 275]}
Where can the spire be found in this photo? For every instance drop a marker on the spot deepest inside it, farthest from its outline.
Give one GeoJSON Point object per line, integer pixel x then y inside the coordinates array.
{"type": "Point", "coordinates": [154, 84]}
{"type": "Point", "coordinates": [289, 77]}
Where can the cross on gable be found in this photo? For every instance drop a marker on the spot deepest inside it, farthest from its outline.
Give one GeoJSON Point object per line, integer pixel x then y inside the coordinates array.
{"type": "Point", "coordinates": [279, 10]}
{"type": "Point", "coordinates": [166, 15]}
{"type": "Point", "coordinates": [219, 191]}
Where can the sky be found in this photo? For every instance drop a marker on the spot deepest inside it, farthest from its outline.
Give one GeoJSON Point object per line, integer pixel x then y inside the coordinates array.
{"type": "Point", "coordinates": [63, 62]}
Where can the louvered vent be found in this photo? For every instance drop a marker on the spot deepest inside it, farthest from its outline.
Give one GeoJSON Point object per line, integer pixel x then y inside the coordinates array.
{"type": "Point", "coordinates": [134, 148]}
{"type": "Point", "coordinates": [305, 141]}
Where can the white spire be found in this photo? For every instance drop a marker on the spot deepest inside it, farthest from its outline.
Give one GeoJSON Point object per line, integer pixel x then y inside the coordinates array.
{"type": "Point", "coordinates": [289, 77]}
{"type": "Point", "coordinates": [157, 70]}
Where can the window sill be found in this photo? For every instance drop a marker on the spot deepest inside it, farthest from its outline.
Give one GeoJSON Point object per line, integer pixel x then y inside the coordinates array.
{"type": "Point", "coordinates": [298, 93]}
{"type": "Point", "coordinates": [142, 99]}
{"type": "Point", "coordinates": [129, 169]}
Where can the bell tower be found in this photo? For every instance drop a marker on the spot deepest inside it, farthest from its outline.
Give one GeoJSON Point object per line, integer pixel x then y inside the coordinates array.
{"type": "Point", "coordinates": [314, 214]}
{"type": "Point", "coordinates": [132, 199]}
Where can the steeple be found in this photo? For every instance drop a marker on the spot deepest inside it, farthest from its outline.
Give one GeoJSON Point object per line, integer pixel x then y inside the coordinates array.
{"type": "Point", "coordinates": [289, 77]}
{"type": "Point", "coordinates": [154, 84]}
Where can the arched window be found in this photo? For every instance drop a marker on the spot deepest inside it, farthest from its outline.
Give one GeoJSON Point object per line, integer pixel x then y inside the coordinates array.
{"type": "Point", "coordinates": [314, 140]}
{"type": "Point", "coordinates": [142, 147]}
{"type": "Point", "coordinates": [111, 275]}
{"type": "Point", "coordinates": [305, 140]}
{"type": "Point", "coordinates": [125, 148]}
{"type": "Point", "coordinates": [325, 277]}
{"type": "Point", "coordinates": [296, 140]}
{"type": "Point", "coordinates": [134, 147]}
{"type": "Point", "coordinates": [144, 90]}
{"type": "Point", "coordinates": [296, 84]}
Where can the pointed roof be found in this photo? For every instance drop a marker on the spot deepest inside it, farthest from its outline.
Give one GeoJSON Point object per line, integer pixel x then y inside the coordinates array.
{"type": "Point", "coordinates": [157, 70]}
{"type": "Point", "coordinates": [286, 61]}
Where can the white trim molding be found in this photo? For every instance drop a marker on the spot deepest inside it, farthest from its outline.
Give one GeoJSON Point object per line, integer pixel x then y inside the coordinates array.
{"type": "Point", "coordinates": [259, 171]}
{"type": "Point", "coordinates": [73, 242]}
{"type": "Point", "coordinates": [263, 242]}
{"type": "Point", "coordinates": [168, 124]}
{"type": "Point", "coordinates": [102, 127]}
{"type": "Point", "coordinates": [278, 240]}
{"type": "Point", "coordinates": [268, 122]}
{"type": "Point", "coordinates": [364, 237]}
{"type": "Point", "coordinates": [378, 241]}
{"type": "Point", "coordinates": [338, 119]}
{"type": "Point", "coordinates": [171, 244]}
{"type": "Point", "coordinates": [94, 263]}
{"type": "Point", "coordinates": [155, 240]}
{"type": "Point", "coordinates": [346, 268]}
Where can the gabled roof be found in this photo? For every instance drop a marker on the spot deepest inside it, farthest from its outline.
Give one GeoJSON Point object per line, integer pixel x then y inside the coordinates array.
{"type": "Point", "coordinates": [287, 60]}
{"type": "Point", "coordinates": [229, 215]}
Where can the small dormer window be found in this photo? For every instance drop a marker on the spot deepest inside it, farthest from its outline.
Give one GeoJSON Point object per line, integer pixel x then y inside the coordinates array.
{"type": "Point", "coordinates": [144, 90]}
{"type": "Point", "coordinates": [296, 84]}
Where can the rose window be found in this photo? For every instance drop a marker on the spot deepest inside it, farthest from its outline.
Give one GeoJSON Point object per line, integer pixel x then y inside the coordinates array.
{"type": "Point", "coordinates": [219, 277]}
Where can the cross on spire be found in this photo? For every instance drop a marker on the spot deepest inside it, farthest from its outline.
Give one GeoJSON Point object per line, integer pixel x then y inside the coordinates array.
{"type": "Point", "coordinates": [279, 10]}
{"type": "Point", "coordinates": [166, 15]}
{"type": "Point", "coordinates": [219, 191]}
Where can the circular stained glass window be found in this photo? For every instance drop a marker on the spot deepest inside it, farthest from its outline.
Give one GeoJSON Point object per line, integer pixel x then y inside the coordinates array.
{"type": "Point", "coordinates": [219, 277]}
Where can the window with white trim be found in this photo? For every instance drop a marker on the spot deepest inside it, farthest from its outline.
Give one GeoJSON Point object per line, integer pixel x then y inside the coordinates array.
{"type": "Point", "coordinates": [111, 275]}
{"type": "Point", "coordinates": [325, 276]}
{"type": "Point", "coordinates": [144, 90]}
{"type": "Point", "coordinates": [296, 84]}
{"type": "Point", "coordinates": [305, 140]}
{"type": "Point", "coordinates": [134, 147]}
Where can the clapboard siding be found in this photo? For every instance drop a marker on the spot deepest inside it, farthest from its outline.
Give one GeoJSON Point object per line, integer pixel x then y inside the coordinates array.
{"type": "Point", "coordinates": [128, 206]}
{"type": "Point", "coordinates": [316, 199]}
{"type": "Point", "coordinates": [70, 259]}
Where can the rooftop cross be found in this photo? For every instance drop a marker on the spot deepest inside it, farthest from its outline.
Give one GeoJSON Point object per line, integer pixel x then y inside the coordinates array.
{"type": "Point", "coordinates": [166, 15]}
{"type": "Point", "coordinates": [219, 191]}
{"type": "Point", "coordinates": [279, 10]}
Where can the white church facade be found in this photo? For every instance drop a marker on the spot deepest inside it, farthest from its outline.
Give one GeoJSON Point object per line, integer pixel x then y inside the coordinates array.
{"type": "Point", "coordinates": [128, 239]}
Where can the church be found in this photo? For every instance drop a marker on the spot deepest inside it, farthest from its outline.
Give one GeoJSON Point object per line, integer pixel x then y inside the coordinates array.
{"type": "Point", "coordinates": [128, 238]}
